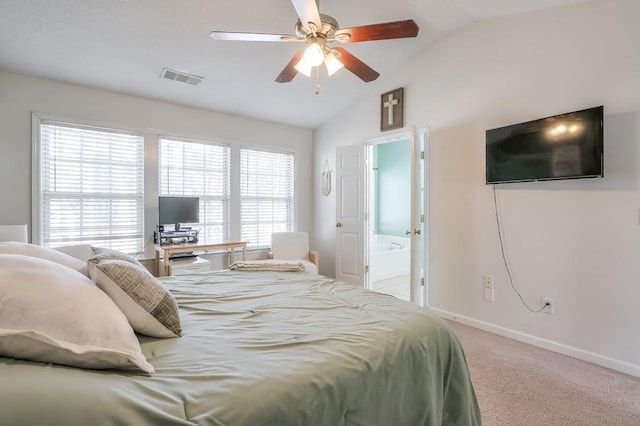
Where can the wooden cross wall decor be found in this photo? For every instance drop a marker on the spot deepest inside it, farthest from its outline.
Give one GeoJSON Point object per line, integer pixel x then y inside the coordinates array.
{"type": "Point", "coordinates": [391, 110]}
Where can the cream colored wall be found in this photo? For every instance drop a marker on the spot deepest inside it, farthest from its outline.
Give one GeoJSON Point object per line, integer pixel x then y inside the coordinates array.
{"type": "Point", "coordinates": [577, 242]}
{"type": "Point", "coordinates": [21, 95]}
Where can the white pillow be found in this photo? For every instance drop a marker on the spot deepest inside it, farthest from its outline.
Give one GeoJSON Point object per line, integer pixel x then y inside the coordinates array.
{"type": "Point", "coordinates": [34, 250]}
{"type": "Point", "coordinates": [79, 251]}
{"type": "Point", "coordinates": [51, 314]}
{"type": "Point", "coordinates": [149, 307]}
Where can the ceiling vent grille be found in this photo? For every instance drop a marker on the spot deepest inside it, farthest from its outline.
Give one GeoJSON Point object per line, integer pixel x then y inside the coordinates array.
{"type": "Point", "coordinates": [182, 77]}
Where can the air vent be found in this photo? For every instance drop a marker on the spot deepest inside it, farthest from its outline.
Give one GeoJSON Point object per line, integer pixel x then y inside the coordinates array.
{"type": "Point", "coordinates": [182, 77]}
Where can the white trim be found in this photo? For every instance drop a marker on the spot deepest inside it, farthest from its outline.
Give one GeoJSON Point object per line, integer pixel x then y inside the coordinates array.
{"type": "Point", "coordinates": [265, 148]}
{"type": "Point", "coordinates": [390, 137]}
{"type": "Point", "coordinates": [151, 191]}
{"type": "Point", "coordinates": [426, 226]}
{"type": "Point", "coordinates": [594, 358]}
{"type": "Point", "coordinates": [191, 140]}
{"type": "Point", "coordinates": [36, 215]}
{"type": "Point", "coordinates": [235, 175]}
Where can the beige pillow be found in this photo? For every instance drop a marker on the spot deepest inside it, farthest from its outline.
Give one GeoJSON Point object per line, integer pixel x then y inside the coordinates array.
{"type": "Point", "coordinates": [100, 253]}
{"type": "Point", "coordinates": [34, 250]}
{"type": "Point", "coordinates": [51, 314]}
{"type": "Point", "coordinates": [149, 307]}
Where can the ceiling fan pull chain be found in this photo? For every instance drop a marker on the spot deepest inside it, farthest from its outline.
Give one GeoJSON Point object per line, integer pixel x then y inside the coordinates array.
{"type": "Point", "coordinates": [317, 80]}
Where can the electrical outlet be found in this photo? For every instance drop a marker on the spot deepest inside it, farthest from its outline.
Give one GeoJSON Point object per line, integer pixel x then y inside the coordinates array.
{"type": "Point", "coordinates": [488, 281]}
{"type": "Point", "coordinates": [488, 294]}
{"type": "Point", "coordinates": [549, 306]}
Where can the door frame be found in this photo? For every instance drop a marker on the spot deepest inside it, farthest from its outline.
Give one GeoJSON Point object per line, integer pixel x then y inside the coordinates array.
{"type": "Point", "coordinates": [419, 206]}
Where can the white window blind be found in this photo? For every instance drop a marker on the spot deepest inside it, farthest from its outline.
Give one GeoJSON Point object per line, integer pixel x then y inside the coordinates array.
{"type": "Point", "coordinates": [199, 169]}
{"type": "Point", "coordinates": [91, 187]}
{"type": "Point", "coordinates": [267, 195]}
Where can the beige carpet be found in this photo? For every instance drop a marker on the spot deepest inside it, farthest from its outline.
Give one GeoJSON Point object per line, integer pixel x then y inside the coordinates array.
{"type": "Point", "coordinates": [518, 384]}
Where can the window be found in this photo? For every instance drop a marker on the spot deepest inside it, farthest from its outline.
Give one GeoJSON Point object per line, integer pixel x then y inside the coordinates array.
{"type": "Point", "coordinates": [199, 169]}
{"type": "Point", "coordinates": [91, 187]}
{"type": "Point", "coordinates": [88, 186]}
{"type": "Point", "coordinates": [267, 195]}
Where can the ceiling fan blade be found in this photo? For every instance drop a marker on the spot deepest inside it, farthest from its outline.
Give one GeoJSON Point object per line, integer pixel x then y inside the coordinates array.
{"type": "Point", "coordinates": [290, 71]}
{"type": "Point", "coordinates": [307, 11]}
{"type": "Point", "coordinates": [233, 36]}
{"type": "Point", "coordinates": [388, 30]}
{"type": "Point", "coordinates": [356, 66]}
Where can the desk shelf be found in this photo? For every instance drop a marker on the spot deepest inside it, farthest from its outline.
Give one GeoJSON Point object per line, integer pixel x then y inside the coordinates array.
{"type": "Point", "coordinates": [187, 266]}
{"type": "Point", "coordinates": [167, 249]}
{"type": "Point", "coordinates": [189, 236]}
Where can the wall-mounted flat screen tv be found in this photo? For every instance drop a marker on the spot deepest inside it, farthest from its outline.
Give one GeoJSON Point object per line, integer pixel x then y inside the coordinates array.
{"type": "Point", "coordinates": [565, 146]}
{"type": "Point", "coordinates": [177, 210]}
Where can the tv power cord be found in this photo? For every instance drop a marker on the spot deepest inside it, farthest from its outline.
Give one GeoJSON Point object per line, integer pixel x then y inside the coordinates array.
{"type": "Point", "coordinates": [506, 264]}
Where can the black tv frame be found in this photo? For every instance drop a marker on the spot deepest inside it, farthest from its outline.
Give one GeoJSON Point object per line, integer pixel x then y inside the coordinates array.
{"type": "Point", "coordinates": [531, 154]}
{"type": "Point", "coordinates": [183, 210]}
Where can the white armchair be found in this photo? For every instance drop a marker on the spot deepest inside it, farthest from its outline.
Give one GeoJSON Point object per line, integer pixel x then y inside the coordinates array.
{"type": "Point", "coordinates": [14, 233]}
{"type": "Point", "coordinates": [294, 246]}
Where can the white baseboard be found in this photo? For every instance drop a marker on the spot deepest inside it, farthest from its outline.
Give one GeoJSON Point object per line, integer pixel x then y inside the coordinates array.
{"type": "Point", "coordinates": [594, 358]}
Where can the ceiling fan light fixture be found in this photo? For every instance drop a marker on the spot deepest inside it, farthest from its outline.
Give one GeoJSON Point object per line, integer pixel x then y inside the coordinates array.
{"type": "Point", "coordinates": [332, 63]}
{"type": "Point", "coordinates": [303, 67]}
{"type": "Point", "coordinates": [314, 54]}
{"type": "Point", "coordinates": [318, 30]}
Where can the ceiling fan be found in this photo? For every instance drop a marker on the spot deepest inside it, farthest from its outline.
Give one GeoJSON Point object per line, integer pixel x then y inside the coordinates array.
{"type": "Point", "coordinates": [317, 30]}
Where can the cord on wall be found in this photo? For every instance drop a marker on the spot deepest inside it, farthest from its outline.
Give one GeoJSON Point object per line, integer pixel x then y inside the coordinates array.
{"type": "Point", "coordinates": [504, 258]}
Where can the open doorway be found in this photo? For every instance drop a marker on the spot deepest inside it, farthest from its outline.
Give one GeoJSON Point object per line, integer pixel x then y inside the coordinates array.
{"type": "Point", "coordinates": [371, 219]}
{"type": "Point", "coordinates": [390, 217]}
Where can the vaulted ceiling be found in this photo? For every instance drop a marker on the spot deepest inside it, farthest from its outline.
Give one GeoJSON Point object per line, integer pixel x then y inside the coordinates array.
{"type": "Point", "coordinates": [123, 46]}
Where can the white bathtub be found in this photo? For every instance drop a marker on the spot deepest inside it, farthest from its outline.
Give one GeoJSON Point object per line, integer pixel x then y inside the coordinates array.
{"type": "Point", "coordinates": [389, 257]}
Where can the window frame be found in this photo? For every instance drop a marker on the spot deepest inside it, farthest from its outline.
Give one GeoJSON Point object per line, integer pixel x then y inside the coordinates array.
{"type": "Point", "coordinates": [37, 220]}
{"type": "Point", "coordinates": [292, 207]}
{"type": "Point", "coordinates": [226, 201]}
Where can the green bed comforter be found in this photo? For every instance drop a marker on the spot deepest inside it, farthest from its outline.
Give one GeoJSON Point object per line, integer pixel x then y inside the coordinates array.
{"type": "Point", "coordinates": [265, 349]}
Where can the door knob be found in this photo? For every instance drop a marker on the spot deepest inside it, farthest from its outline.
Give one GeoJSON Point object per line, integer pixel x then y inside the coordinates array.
{"type": "Point", "coordinates": [416, 231]}
{"type": "Point", "coordinates": [407, 232]}
{"type": "Point", "coordinates": [338, 225]}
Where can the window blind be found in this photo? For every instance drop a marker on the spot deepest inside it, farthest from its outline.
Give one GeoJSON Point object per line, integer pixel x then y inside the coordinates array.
{"type": "Point", "coordinates": [199, 169]}
{"type": "Point", "coordinates": [267, 195]}
{"type": "Point", "coordinates": [91, 187]}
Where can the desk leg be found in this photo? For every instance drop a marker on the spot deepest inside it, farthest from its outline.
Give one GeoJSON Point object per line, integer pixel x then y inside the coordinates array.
{"type": "Point", "coordinates": [166, 263]}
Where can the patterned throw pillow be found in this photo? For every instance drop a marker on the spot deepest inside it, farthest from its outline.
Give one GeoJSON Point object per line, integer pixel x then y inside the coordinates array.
{"type": "Point", "coordinates": [100, 253]}
{"type": "Point", "coordinates": [149, 307]}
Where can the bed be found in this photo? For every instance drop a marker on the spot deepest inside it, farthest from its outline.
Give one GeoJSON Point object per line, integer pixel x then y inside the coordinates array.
{"type": "Point", "coordinates": [264, 348]}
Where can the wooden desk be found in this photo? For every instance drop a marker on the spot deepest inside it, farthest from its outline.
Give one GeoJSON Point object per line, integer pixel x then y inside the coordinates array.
{"type": "Point", "coordinates": [179, 248]}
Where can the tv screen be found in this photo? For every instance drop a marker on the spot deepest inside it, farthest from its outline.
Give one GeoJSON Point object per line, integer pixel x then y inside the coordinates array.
{"type": "Point", "coordinates": [565, 146]}
{"type": "Point", "coordinates": [176, 210]}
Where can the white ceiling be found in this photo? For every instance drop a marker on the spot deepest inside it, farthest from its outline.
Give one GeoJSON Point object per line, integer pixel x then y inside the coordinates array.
{"type": "Point", "coordinates": [122, 46]}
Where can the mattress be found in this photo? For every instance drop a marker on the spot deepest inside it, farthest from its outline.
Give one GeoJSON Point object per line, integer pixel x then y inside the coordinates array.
{"type": "Point", "coordinates": [264, 348]}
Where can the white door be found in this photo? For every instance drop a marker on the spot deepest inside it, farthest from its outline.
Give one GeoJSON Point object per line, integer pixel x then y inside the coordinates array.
{"type": "Point", "coordinates": [418, 231]}
{"type": "Point", "coordinates": [350, 214]}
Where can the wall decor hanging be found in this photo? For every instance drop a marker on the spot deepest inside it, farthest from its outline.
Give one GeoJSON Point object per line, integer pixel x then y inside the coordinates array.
{"type": "Point", "coordinates": [326, 179]}
{"type": "Point", "coordinates": [392, 110]}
